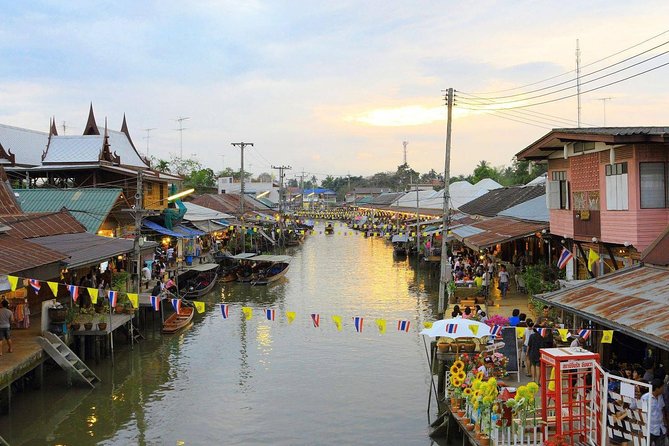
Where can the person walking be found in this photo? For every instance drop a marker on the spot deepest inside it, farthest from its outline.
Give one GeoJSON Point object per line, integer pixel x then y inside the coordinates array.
{"type": "Point", "coordinates": [658, 426]}
{"type": "Point", "coordinates": [6, 318]}
{"type": "Point", "coordinates": [503, 280]}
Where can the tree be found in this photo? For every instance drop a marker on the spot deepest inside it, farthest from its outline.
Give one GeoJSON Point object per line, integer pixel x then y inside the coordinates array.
{"type": "Point", "coordinates": [228, 172]}
{"type": "Point", "coordinates": [405, 176]}
{"type": "Point", "coordinates": [201, 180]}
{"type": "Point", "coordinates": [264, 178]}
{"type": "Point", "coordinates": [485, 170]}
{"type": "Point", "coordinates": [160, 165]}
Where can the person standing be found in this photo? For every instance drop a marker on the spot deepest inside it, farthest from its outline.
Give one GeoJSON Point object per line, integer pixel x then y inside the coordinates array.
{"type": "Point", "coordinates": [534, 346]}
{"type": "Point", "coordinates": [6, 318]}
{"type": "Point", "coordinates": [658, 425]}
{"type": "Point", "coordinates": [503, 280]}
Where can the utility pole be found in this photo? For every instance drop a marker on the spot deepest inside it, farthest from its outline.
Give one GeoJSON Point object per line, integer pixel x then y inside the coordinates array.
{"type": "Point", "coordinates": [578, 82]}
{"type": "Point", "coordinates": [405, 144]}
{"type": "Point", "coordinates": [242, 145]}
{"type": "Point", "coordinates": [604, 105]}
{"type": "Point", "coordinates": [302, 188]}
{"type": "Point", "coordinates": [148, 137]}
{"type": "Point", "coordinates": [65, 127]}
{"type": "Point", "coordinates": [446, 274]}
{"type": "Point", "coordinates": [181, 129]}
{"type": "Point", "coordinates": [281, 175]}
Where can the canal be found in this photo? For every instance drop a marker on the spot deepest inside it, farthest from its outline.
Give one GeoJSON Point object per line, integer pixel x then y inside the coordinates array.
{"type": "Point", "coordinates": [238, 381]}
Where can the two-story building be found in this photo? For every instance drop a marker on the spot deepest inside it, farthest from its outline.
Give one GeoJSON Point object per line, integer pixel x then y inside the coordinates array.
{"type": "Point", "coordinates": [607, 190]}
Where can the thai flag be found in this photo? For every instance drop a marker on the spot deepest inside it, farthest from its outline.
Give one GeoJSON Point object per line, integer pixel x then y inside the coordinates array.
{"type": "Point", "coordinates": [357, 322]}
{"type": "Point", "coordinates": [565, 257]}
{"type": "Point", "coordinates": [451, 328]}
{"type": "Point", "coordinates": [316, 319]}
{"type": "Point", "coordinates": [155, 302]}
{"type": "Point", "coordinates": [403, 325]}
{"type": "Point", "coordinates": [496, 331]}
{"type": "Point", "coordinates": [35, 284]}
{"type": "Point", "coordinates": [74, 292]}
{"type": "Point", "coordinates": [113, 298]}
{"type": "Point", "coordinates": [585, 334]}
{"type": "Point", "coordinates": [543, 331]}
{"type": "Point", "coordinates": [270, 313]}
{"type": "Point", "coordinates": [225, 311]}
{"type": "Point", "coordinates": [176, 304]}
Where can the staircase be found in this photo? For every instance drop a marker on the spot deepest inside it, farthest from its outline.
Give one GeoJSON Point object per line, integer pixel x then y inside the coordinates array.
{"type": "Point", "coordinates": [61, 353]}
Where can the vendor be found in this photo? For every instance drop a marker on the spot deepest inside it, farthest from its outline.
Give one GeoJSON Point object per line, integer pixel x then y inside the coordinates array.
{"type": "Point", "coordinates": [486, 367]}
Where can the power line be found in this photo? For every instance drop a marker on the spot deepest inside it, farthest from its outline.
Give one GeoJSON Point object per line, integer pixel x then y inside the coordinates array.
{"type": "Point", "coordinates": [571, 71]}
{"type": "Point", "coordinates": [572, 95]}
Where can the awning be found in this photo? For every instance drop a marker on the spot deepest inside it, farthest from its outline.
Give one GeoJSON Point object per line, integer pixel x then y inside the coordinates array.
{"type": "Point", "coordinates": [203, 268]}
{"type": "Point", "coordinates": [244, 255]}
{"type": "Point", "coordinates": [188, 232]}
{"type": "Point", "coordinates": [208, 226]}
{"type": "Point", "coordinates": [496, 230]}
{"type": "Point", "coordinates": [161, 229]}
{"type": "Point", "coordinates": [632, 300]}
{"type": "Point", "coordinates": [270, 258]}
{"type": "Point", "coordinates": [200, 213]}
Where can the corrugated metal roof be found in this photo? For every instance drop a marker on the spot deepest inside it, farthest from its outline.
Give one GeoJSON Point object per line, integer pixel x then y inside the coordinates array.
{"type": "Point", "coordinates": [42, 225]}
{"type": "Point", "coordinates": [27, 145]}
{"type": "Point", "coordinates": [120, 144]}
{"type": "Point", "coordinates": [196, 212]}
{"type": "Point", "coordinates": [616, 131]}
{"type": "Point", "coordinates": [8, 203]}
{"type": "Point", "coordinates": [501, 229]}
{"type": "Point", "coordinates": [18, 255]}
{"type": "Point", "coordinates": [86, 148]}
{"type": "Point", "coordinates": [387, 198]}
{"type": "Point", "coordinates": [534, 209]}
{"type": "Point", "coordinates": [633, 300]}
{"type": "Point", "coordinates": [90, 206]}
{"type": "Point", "coordinates": [497, 200]}
{"type": "Point", "coordinates": [229, 203]}
{"type": "Point", "coordinates": [89, 249]}
{"type": "Point", "coordinates": [464, 231]}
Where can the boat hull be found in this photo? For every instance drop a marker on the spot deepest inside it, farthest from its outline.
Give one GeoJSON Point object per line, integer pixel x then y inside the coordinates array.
{"type": "Point", "coordinates": [178, 321]}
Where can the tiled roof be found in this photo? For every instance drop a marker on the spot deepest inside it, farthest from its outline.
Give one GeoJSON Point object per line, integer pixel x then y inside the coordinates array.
{"type": "Point", "coordinates": [18, 255]}
{"type": "Point", "coordinates": [631, 300]}
{"type": "Point", "coordinates": [41, 225]}
{"type": "Point", "coordinates": [616, 131]}
{"type": "Point", "coordinates": [386, 198]}
{"type": "Point", "coordinates": [26, 145]}
{"type": "Point", "coordinates": [499, 230]}
{"type": "Point", "coordinates": [229, 203]}
{"type": "Point", "coordinates": [90, 206]}
{"type": "Point", "coordinates": [498, 200]}
{"type": "Point", "coordinates": [8, 204]}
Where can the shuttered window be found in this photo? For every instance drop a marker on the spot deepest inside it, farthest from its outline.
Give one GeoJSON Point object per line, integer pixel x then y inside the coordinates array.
{"type": "Point", "coordinates": [652, 184]}
{"type": "Point", "coordinates": [617, 193]}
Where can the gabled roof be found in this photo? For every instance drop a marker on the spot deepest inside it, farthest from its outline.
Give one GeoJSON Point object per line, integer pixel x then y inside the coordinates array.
{"type": "Point", "coordinates": [8, 203]}
{"type": "Point", "coordinates": [25, 145]}
{"type": "Point", "coordinates": [18, 255]}
{"type": "Point", "coordinates": [487, 184]}
{"type": "Point", "coordinates": [387, 198]}
{"type": "Point", "coordinates": [497, 200]}
{"type": "Point", "coordinates": [556, 138]}
{"type": "Point", "coordinates": [41, 225]}
{"type": "Point", "coordinates": [534, 210]}
{"type": "Point", "coordinates": [229, 203]}
{"type": "Point", "coordinates": [90, 206]}
{"type": "Point", "coordinates": [657, 253]}
{"type": "Point", "coordinates": [196, 212]}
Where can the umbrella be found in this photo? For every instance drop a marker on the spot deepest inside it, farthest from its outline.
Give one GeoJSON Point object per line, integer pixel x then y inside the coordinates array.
{"type": "Point", "coordinates": [459, 327]}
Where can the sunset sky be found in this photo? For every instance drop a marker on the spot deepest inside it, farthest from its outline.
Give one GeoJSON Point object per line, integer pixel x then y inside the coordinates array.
{"type": "Point", "coordinates": [326, 87]}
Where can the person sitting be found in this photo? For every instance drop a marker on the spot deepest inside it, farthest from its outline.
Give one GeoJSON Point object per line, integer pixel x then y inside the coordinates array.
{"type": "Point", "coordinates": [468, 313]}
{"type": "Point", "coordinates": [157, 289]}
{"type": "Point", "coordinates": [486, 367]}
{"type": "Point", "coordinates": [484, 317]}
{"type": "Point", "coordinates": [514, 319]}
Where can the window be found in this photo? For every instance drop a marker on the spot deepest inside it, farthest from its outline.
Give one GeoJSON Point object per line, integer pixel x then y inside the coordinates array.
{"type": "Point", "coordinates": [557, 190]}
{"type": "Point", "coordinates": [149, 188]}
{"type": "Point", "coordinates": [162, 192]}
{"type": "Point", "coordinates": [617, 195]}
{"type": "Point", "coordinates": [580, 147]}
{"type": "Point", "coordinates": [653, 185]}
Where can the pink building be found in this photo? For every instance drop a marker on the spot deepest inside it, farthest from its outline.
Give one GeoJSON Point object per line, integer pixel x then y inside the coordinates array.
{"type": "Point", "coordinates": [607, 189]}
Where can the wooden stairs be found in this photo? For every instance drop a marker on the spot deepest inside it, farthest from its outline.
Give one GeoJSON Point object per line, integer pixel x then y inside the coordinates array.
{"type": "Point", "coordinates": [64, 357]}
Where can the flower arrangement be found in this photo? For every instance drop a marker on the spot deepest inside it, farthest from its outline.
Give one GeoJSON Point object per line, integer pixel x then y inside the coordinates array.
{"type": "Point", "coordinates": [497, 319]}
{"type": "Point", "coordinates": [524, 402]}
{"type": "Point", "coordinates": [457, 378]}
{"type": "Point", "coordinates": [499, 362]}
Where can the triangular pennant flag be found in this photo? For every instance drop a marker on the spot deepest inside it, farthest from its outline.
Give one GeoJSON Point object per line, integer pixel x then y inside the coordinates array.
{"type": "Point", "coordinates": [428, 324]}
{"type": "Point", "coordinates": [54, 288]}
{"type": "Point", "coordinates": [134, 299]}
{"type": "Point", "coordinates": [607, 336]}
{"type": "Point", "coordinates": [474, 329]}
{"type": "Point", "coordinates": [592, 258]}
{"type": "Point", "coordinates": [563, 334]}
{"type": "Point", "coordinates": [337, 322]}
{"type": "Point", "coordinates": [248, 312]}
{"type": "Point", "coordinates": [316, 319]}
{"type": "Point", "coordinates": [93, 293]}
{"type": "Point", "coordinates": [199, 306]}
{"type": "Point", "coordinates": [74, 292]}
{"type": "Point", "coordinates": [357, 323]}
{"type": "Point", "coordinates": [13, 281]}
{"type": "Point", "coordinates": [290, 315]}
{"type": "Point", "coordinates": [381, 324]}
{"type": "Point", "coordinates": [225, 311]}
{"type": "Point", "coordinates": [520, 332]}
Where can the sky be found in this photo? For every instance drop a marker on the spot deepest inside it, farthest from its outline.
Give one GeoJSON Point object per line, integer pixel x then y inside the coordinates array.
{"type": "Point", "coordinates": [326, 87]}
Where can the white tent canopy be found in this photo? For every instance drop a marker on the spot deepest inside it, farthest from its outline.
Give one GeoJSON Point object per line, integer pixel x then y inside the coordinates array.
{"type": "Point", "coordinates": [200, 213]}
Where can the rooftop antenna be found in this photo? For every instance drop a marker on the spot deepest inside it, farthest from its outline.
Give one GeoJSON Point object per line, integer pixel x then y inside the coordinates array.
{"type": "Point", "coordinates": [604, 105]}
{"type": "Point", "coordinates": [404, 145]}
{"type": "Point", "coordinates": [148, 137]}
{"type": "Point", "coordinates": [181, 129]}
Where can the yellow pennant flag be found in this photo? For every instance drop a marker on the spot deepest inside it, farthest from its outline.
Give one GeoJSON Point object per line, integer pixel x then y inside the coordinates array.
{"type": "Point", "coordinates": [592, 258]}
{"type": "Point", "coordinates": [93, 292]}
{"type": "Point", "coordinates": [134, 299]}
{"type": "Point", "coordinates": [607, 336]}
{"type": "Point", "coordinates": [248, 312]}
{"type": "Point", "coordinates": [563, 334]}
{"type": "Point", "coordinates": [290, 315]}
{"type": "Point", "coordinates": [520, 332]}
{"type": "Point", "coordinates": [474, 329]}
{"type": "Point", "coordinates": [199, 306]}
{"type": "Point", "coordinates": [13, 281]}
{"type": "Point", "coordinates": [427, 324]}
{"type": "Point", "coordinates": [54, 288]}
{"type": "Point", "coordinates": [381, 323]}
{"type": "Point", "coordinates": [337, 322]}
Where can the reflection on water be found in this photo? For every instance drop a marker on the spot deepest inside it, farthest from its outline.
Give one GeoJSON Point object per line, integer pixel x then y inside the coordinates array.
{"type": "Point", "coordinates": [263, 382]}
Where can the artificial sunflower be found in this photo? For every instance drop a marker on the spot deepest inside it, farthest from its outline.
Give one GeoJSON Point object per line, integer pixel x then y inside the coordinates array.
{"type": "Point", "coordinates": [454, 369]}
{"type": "Point", "coordinates": [459, 365]}
{"type": "Point", "coordinates": [462, 375]}
{"type": "Point", "coordinates": [479, 375]}
{"type": "Point", "coordinates": [468, 391]}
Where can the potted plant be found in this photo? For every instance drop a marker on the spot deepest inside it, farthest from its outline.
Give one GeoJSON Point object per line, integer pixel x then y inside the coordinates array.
{"type": "Point", "coordinates": [71, 319]}
{"type": "Point", "coordinates": [102, 322]}
{"type": "Point", "coordinates": [87, 317]}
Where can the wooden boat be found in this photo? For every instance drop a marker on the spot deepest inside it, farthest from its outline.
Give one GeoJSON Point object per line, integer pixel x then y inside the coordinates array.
{"type": "Point", "coordinates": [264, 269]}
{"type": "Point", "coordinates": [400, 243]}
{"type": "Point", "coordinates": [329, 229]}
{"type": "Point", "coordinates": [231, 266]}
{"type": "Point", "coordinates": [197, 280]}
{"type": "Point", "coordinates": [179, 320]}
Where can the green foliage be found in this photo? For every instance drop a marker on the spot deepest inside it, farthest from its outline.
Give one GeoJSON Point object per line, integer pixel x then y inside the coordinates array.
{"type": "Point", "coordinates": [541, 279]}
{"type": "Point", "coordinates": [119, 281]}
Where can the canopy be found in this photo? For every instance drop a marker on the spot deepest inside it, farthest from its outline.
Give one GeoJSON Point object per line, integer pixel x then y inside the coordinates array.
{"type": "Point", "coordinates": [460, 328]}
{"type": "Point", "coordinates": [269, 258]}
{"type": "Point", "coordinates": [208, 226]}
{"type": "Point", "coordinates": [199, 213]}
{"type": "Point", "coordinates": [189, 232]}
{"type": "Point", "coordinates": [204, 267]}
{"type": "Point", "coordinates": [161, 229]}
{"type": "Point", "coordinates": [244, 255]}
